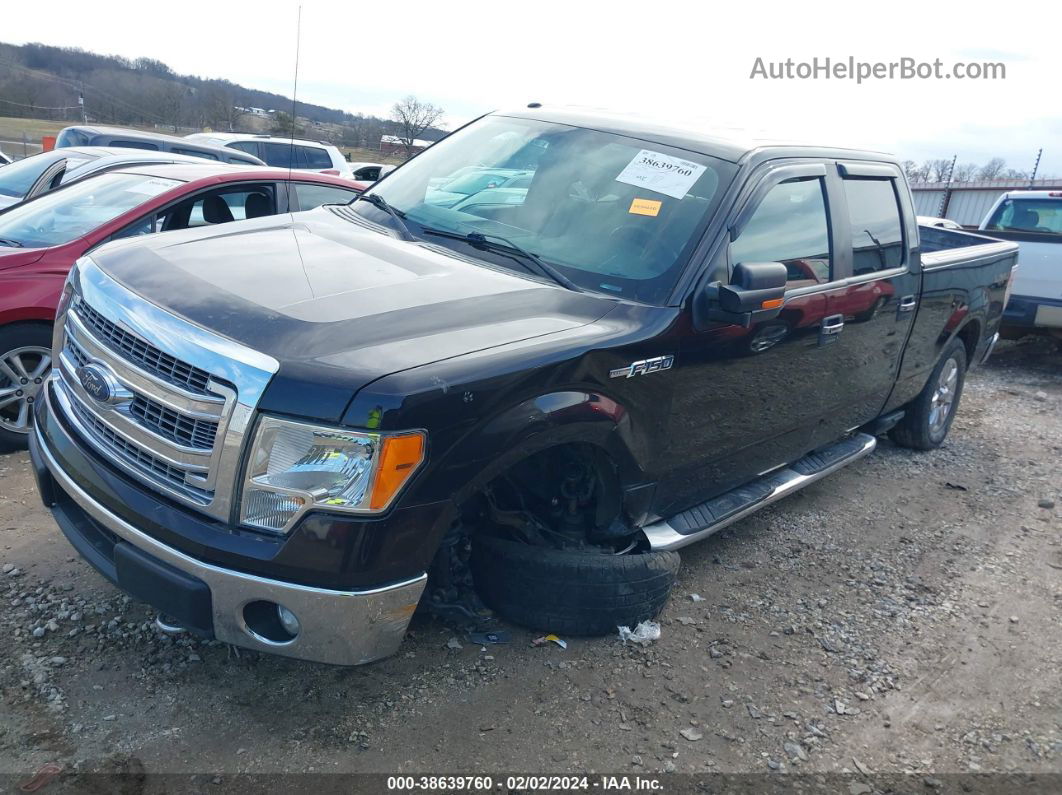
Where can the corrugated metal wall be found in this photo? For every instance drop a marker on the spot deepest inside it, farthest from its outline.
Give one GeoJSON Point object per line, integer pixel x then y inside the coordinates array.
{"type": "Point", "coordinates": [927, 202]}
{"type": "Point", "coordinates": [970, 201]}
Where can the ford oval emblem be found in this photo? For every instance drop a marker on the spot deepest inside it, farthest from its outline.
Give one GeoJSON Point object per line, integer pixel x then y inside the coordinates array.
{"type": "Point", "coordinates": [101, 385]}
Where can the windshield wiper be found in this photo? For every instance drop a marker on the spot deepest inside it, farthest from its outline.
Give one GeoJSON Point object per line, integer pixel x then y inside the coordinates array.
{"type": "Point", "coordinates": [376, 200]}
{"type": "Point", "coordinates": [506, 246]}
{"type": "Point", "coordinates": [11, 243]}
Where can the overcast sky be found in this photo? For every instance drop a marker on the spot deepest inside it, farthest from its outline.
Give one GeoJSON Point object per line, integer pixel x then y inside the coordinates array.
{"type": "Point", "coordinates": [666, 57]}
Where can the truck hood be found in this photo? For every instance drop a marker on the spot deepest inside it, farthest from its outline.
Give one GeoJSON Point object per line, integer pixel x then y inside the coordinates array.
{"type": "Point", "coordinates": [339, 305]}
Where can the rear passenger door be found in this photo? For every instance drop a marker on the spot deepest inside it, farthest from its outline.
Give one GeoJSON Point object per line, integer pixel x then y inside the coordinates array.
{"type": "Point", "coordinates": [871, 315]}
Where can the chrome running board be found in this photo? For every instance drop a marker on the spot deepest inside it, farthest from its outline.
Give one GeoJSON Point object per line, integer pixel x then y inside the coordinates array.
{"type": "Point", "coordinates": [709, 517]}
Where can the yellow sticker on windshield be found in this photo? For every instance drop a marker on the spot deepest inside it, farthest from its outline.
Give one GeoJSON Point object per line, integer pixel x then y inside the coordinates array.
{"type": "Point", "coordinates": [645, 207]}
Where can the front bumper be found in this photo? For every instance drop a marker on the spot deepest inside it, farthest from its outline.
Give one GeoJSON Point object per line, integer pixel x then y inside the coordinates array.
{"type": "Point", "coordinates": [336, 626]}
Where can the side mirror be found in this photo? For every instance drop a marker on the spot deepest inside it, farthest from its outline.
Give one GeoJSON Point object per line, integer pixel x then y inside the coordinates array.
{"type": "Point", "coordinates": [756, 293]}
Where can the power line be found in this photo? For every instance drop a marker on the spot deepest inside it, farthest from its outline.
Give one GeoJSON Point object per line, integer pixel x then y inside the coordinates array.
{"type": "Point", "coordinates": [78, 87]}
{"type": "Point", "coordinates": [36, 107]}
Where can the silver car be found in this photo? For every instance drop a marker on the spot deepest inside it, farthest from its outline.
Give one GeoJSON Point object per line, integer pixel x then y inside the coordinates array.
{"type": "Point", "coordinates": [46, 171]}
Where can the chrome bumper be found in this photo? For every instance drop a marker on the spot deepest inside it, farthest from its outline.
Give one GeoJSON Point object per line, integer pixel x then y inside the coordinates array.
{"type": "Point", "coordinates": [337, 627]}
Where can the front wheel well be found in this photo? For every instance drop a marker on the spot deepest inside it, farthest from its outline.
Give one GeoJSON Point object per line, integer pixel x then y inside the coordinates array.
{"type": "Point", "coordinates": [571, 493]}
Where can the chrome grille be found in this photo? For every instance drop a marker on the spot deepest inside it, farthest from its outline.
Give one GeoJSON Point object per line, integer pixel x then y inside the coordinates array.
{"type": "Point", "coordinates": [137, 456]}
{"type": "Point", "coordinates": [184, 430]}
{"type": "Point", "coordinates": [167, 422]}
{"type": "Point", "coordinates": [176, 402]}
{"type": "Point", "coordinates": [142, 353]}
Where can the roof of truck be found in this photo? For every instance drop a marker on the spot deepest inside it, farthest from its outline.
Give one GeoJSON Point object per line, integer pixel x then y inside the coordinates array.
{"type": "Point", "coordinates": [697, 135]}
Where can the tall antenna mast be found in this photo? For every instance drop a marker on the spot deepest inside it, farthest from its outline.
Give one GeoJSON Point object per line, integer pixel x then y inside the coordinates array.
{"type": "Point", "coordinates": [295, 89]}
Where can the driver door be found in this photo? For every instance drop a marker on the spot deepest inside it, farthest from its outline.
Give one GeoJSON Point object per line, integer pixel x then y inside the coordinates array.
{"type": "Point", "coordinates": [748, 400]}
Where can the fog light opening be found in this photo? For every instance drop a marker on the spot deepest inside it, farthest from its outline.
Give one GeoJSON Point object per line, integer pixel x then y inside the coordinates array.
{"type": "Point", "coordinates": [270, 622]}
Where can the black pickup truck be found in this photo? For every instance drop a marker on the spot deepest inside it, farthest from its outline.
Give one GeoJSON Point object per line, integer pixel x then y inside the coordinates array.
{"type": "Point", "coordinates": [516, 375]}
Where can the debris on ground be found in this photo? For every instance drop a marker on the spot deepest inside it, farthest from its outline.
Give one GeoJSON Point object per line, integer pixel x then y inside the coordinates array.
{"type": "Point", "coordinates": [489, 638]}
{"type": "Point", "coordinates": [549, 639]}
{"type": "Point", "coordinates": [644, 634]}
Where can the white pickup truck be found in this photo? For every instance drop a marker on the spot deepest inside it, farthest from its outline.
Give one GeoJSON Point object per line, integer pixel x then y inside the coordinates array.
{"type": "Point", "coordinates": [1033, 218]}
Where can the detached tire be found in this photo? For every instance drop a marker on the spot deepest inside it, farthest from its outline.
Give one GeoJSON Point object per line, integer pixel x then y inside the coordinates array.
{"type": "Point", "coordinates": [570, 592]}
{"type": "Point", "coordinates": [929, 416]}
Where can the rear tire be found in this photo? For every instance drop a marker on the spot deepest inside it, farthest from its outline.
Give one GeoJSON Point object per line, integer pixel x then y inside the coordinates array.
{"type": "Point", "coordinates": [572, 593]}
{"type": "Point", "coordinates": [928, 419]}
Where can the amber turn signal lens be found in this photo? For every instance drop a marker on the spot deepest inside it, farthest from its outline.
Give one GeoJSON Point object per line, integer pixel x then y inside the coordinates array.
{"type": "Point", "coordinates": [774, 303]}
{"type": "Point", "coordinates": [399, 458]}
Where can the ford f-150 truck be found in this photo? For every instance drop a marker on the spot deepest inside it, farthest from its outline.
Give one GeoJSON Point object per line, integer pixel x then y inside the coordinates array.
{"type": "Point", "coordinates": [288, 433]}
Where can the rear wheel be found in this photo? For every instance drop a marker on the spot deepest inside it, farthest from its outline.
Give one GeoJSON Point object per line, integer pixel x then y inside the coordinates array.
{"type": "Point", "coordinates": [25, 361]}
{"type": "Point", "coordinates": [929, 417]}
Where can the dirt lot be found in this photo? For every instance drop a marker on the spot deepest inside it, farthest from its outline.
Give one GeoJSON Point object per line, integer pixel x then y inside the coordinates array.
{"type": "Point", "coordinates": [900, 617]}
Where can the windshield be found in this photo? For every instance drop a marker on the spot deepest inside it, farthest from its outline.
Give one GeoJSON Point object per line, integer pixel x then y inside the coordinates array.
{"type": "Point", "coordinates": [1026, 215]}
{"type": "Point", "coordinates": [17, 178]}
{"type": "Point", "coordinates": [613, 214]}
{"type": "Point", "coordinates": [68, 213]}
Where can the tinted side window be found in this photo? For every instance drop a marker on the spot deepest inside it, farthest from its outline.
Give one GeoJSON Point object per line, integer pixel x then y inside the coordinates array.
{"type": "Point", "coordinates": [311, 196]}
{"type": "Point", "coordinates": [313, 157]}
{"type": "Point", "coordinates": [789, 226]}
{"type": "Point", "coordinates": [196, 153]}
{"type": "Point", "coordinates": [134, 145]}
{"type": "Point", "coordinates": [368, 173]}
{"type": "Point", "coordinates": [72, 137]}
{"type": "Point", "coordinates": [278, 155]}
{"type": "Point", "coordinates": [250, 147]}
{"type": "Point", "coordinates": [874, 212]}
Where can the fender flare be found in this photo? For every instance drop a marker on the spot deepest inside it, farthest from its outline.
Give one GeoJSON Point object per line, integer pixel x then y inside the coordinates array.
{"type": "Point", "coordinates": [563, 417]}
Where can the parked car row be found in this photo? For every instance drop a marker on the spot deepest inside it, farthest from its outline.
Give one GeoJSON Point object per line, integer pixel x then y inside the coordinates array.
{"type": "Point", "coordinates": [110, 197]}
{"type": "Point", "coordinates": [40, 173]}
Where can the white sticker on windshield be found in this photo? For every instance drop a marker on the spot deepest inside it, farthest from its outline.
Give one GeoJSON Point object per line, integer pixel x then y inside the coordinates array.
{"type": "Point", "coordinates": [661, 173]}
{"type": "Point", "coordinates": [153, 187]}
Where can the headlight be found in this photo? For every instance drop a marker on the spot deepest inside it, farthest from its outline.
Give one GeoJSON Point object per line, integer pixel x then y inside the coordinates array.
{"type": "Point", "coordinates": [294, 467]}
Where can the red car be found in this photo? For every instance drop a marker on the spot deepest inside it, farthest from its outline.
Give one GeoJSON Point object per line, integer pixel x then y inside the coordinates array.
{"type": "Point", "coordinates": [41, 239]}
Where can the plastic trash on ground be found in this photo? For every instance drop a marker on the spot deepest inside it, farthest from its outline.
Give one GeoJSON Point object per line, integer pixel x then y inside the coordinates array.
{"type": "Point", "coordinates": [549, 639]}
{"type": "Point", "coordinates": [643, 634]}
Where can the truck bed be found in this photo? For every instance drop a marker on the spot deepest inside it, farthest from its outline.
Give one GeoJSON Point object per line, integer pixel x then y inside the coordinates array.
{"type": "Point", "coordinates": [946, 246]}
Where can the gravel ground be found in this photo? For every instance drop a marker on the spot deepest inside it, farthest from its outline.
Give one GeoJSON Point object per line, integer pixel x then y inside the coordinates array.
{"type": "Point", "coordinates": [900, 617]}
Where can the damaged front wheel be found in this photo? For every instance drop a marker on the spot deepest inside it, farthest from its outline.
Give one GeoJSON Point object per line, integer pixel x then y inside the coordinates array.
{"type": "Point", "coordinates": [571, 592]}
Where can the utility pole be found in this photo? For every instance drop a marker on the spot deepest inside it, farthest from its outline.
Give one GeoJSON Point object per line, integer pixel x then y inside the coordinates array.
{"type": "Point", "coordinates": [81, 104]}
{"type": "Point", "coordinates": [1036, 167]}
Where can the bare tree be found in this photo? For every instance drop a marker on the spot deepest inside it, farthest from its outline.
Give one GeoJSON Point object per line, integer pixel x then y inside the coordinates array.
{"type": "Point", "coordinates": [413, 118]}
{"type": "Point", "coordinates": [965, 172]}
{"type": "Point", "coordinates": [219, 110]}
{"type": "Point", "coordinates": [910, 168]}
{"type": "Point", "coordinates": [939, 170]}
{"type": "Point", "coordinates": [993, 169]}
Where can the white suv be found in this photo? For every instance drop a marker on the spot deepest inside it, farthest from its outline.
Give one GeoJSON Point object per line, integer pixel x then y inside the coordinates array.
{"type": "Point", "coordinates": [291, 153]}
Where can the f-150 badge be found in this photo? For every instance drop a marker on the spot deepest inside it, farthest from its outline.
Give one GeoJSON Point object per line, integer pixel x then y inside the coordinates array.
{"type": "Point", "coordinates": [643, 367]}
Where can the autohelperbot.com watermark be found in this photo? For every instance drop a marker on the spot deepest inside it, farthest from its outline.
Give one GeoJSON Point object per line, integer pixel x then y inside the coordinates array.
{"type": "Point", "coordinates": [851, 68]}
